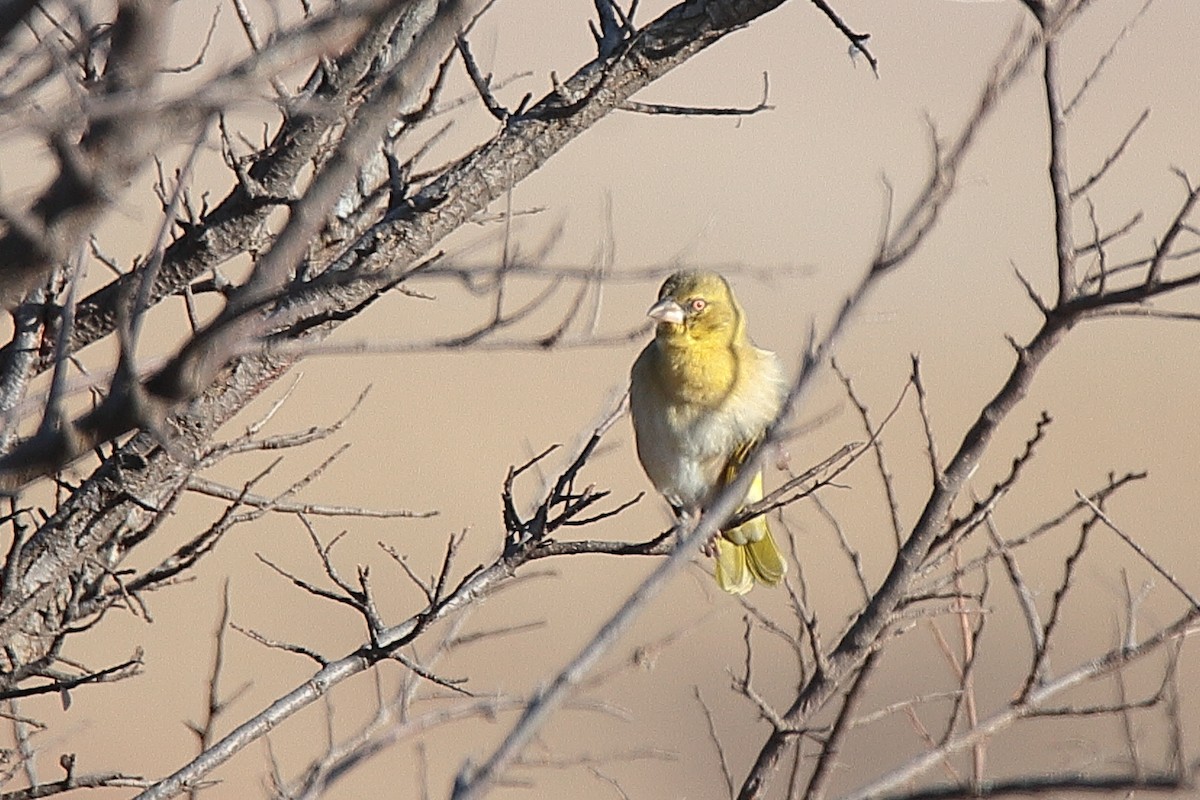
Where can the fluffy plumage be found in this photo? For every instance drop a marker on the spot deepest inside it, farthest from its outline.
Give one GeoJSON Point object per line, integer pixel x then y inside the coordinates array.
{"type": "Point", "coordinates": [701, 395]}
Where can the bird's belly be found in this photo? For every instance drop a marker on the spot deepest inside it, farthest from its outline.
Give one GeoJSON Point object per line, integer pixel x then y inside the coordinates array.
{"type": "Point", "coordinates": [684, 453]}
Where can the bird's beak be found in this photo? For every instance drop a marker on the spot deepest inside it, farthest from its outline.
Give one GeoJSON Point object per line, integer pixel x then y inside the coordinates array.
{"type": "Point", "coordinates": [666, 310]}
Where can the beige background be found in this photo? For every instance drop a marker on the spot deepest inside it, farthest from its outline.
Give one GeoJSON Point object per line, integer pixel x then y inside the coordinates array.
{"type": "Point", "coordinates": [799, 190]}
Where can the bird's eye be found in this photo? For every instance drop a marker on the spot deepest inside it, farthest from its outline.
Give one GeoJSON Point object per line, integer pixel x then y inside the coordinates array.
{"type": "Point", "coordinates": [698, 304]}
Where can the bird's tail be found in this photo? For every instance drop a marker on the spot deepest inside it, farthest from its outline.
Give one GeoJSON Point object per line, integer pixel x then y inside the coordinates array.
{"type": "Point", "coordinates": [733, 572]}
{"type": "Point", "coordinates": [739, 566]}
{"type": "Point", "coordinates": [764, 559]}
{"type": "Point", "coordinates": [748, 553]}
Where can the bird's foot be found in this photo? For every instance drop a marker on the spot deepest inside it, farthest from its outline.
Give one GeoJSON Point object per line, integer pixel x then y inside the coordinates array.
{"type": "Point", "coordinates": [685, 520]}
{"type": "Point", "coordinates": [709, 548]}
{"type": "Point", "coordinates": [783, 459]}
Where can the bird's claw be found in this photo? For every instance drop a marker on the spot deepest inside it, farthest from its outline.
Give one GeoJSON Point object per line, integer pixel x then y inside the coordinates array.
{"type": "Point", "coordinates": [783, 459]}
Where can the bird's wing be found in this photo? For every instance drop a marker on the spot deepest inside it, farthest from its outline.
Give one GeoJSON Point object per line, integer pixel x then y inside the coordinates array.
{"type": "Point", "coordinates": [750, 545]}
{"type": "Point", "coordinates": [756, 529]}
{"type": "Point", "coordinates": [738, 457]}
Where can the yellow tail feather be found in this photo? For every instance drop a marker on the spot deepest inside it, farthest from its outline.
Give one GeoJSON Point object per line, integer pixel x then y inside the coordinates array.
{"type": "Point", "coordinates": [733, 573]}
{"type": "Point", "coordinates": [765, 561]}
{"type": "Point", "coordinates": [748, 553]}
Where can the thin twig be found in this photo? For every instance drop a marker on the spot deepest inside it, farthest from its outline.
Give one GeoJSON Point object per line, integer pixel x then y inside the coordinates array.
{"type": "Point", "coordinates": [1154, 563]}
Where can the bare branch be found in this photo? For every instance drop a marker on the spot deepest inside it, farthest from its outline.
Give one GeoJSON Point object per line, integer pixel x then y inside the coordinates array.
{"type": "Point", "coordinates": [873, 436]}
{"type": "Point", "coordinates": [695, 111]}
{"type": "Point", "coordinates": [1104, 60]}
{"type": "Point", "coordinates": [223, 492]}
{"type": "Point", "coordinates": [858, 41]}
{"type": "Point", "coordinates": [818, 782]}
{"type": "Point", "coordinates": [1137, 548]}
{"type": "Point", "coordinates": [1109, 662]}
{"type": "Point", "coordinates": [1112, 157]}
{"type": "Point", "coordinates": [715, 739]}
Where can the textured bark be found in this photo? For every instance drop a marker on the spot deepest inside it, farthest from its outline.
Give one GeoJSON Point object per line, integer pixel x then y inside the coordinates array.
{"type": "Point", "coordinates": [232, 227]}
{"type": "Point", "coordinates": [66, 562]}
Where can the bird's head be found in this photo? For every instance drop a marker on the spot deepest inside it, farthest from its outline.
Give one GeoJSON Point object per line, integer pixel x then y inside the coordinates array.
{"type": "Point", "coordinates": [697, 306]}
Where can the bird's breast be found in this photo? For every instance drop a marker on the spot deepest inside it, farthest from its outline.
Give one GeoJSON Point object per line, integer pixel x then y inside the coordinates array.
{"type": "Point", "coordinates": [691, 414]}
{"type": "Point", "coordinates": [683, 449]}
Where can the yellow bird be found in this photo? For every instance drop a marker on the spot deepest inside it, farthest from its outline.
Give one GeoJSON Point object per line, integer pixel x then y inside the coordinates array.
{"type": "Point", "coordinates": [702, 395]}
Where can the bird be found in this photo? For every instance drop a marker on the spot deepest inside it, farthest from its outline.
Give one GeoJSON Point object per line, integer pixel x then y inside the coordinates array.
{"type": "Point", "coordinates": [701, 397]}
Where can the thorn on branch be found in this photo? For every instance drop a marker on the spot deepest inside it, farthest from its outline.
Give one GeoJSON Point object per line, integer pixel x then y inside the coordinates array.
{"type": "Point", "coordinates": [874, 442]}
{"type": "Point", "coordinates": [982, 509]}
{"type": "Point", "coordinates": [1042, 306]}
{"type": "Point", "coordinates": [1040, 666]}
{"type": "Point", "coordinates": [277, 645]}
{"type": "Point", "coordinates": [63, 684]}
{"type": "Point", "coordinates": [616, 27]}
{"type": "Point", "coordinates": [439, 587]}
{"type": "Point", "coordinates": [931, 448]}
{"type": "Point", "coordinates": [311, 588]}
{"type": "Point", "coordinates": [1112, 157]}
{"type": "Point", "coordinates": [425, 588]}
{"type": "Point", "coordinates": [702, 111]}
{"type": "Point", "coordinates": [1178, 225]}
{"type": "Point", "coordinates": [482, 83]}
{"type": "Point", "coordinates": [743, 684]}
{"type": "Point", "coordinates": [1137, 548]}
{"type": "Point", "coordinates": [858, 41]}
{"type": "Point", "coordinates": [453, 684]}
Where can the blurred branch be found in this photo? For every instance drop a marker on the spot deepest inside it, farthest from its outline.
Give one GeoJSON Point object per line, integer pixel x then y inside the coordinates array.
{"type": "Point", "coordinates": [233, 225]}
{"type": "Point", "coordinates": [1054, 786]}
{"type": "Point", "coordinates": [132, 404]}
{"type": "Point", "coordinates": [92, 170]}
